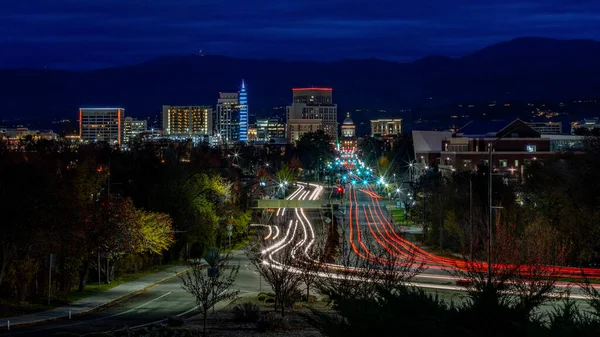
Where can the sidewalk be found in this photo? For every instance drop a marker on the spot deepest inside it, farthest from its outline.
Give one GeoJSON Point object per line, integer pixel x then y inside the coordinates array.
{"type": "Point", "coordinates": [94, 302]}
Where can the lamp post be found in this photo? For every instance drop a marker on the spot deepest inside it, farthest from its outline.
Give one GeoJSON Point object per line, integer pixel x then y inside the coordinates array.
{"type": "Point", "coordinates": [491, 206]}
{"type": "Point", "coordinates": [490, 147]}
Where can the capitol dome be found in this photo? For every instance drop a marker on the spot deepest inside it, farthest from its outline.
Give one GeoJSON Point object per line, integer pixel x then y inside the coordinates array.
{"type": "Point", "coordinates": [348, 120]}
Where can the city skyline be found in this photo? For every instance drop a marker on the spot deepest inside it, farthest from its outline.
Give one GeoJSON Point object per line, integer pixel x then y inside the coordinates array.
{"type": "Point", "coordinates": [62, 35]}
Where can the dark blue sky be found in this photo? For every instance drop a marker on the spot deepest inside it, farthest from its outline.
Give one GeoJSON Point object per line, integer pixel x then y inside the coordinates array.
{"type": "Point", "coordinates": [84, 34]}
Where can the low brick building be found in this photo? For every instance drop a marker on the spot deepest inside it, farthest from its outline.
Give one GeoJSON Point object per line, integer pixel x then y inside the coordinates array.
{"type": "Point", "coordinates": [515, 144]}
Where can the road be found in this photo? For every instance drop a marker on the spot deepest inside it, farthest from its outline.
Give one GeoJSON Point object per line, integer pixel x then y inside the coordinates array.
{"type": "Point", "coordinates": [366, 225]}
{"type": "Point", "coordinates": [372, 237]}
{"type": "Point", "coordinates": [156, 304]}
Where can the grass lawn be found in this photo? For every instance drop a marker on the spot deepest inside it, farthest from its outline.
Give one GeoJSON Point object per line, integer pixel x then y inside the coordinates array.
{"type": "Point", "coordinates": [92, 288]}
{"type": "Point", "coordinates": [11, 309]}
{"type": "Point", "coordinates": [398, 216]}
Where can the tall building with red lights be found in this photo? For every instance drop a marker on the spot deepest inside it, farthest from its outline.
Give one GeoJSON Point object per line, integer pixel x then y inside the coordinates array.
{"type": "Point", "coordinates": [312, 109]}
{"type": "Point", "coordinates": [101, 125]}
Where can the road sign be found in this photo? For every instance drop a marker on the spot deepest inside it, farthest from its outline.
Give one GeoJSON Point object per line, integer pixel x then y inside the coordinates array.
{"type": "Point", "coordinates": [327, 220]}
{"type": "Point", "coordinates": [229, 227]}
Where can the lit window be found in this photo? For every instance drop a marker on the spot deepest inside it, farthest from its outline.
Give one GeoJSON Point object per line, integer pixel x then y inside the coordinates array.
{"type": "Point", "coordinates": [531, 148]}
{"type": "Point", "coordinates": [516, 163]}
{"type": "Point", "coordinates": [503, 163]}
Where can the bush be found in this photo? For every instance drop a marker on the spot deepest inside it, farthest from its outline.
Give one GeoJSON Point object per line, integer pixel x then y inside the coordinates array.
{"type": "Point", "coordinates": [311, 298]}
{"type": "Point", "coordinates": [262, 297]}
{"type": "Point", "coordinates": [270, 300]}
{"type": "Point", "coordinates": [175, 321]}
{"type": "Point", "coordinates": [247, 312]}
{"type": "Point", "coordinates": [295, 296]}
{"type": "Point", "coordinates": [325, 299]}
{"type": "Point", "coordinates": [271, 321]}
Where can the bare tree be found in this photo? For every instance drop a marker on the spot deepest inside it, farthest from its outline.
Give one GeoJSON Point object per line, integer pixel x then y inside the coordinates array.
{"type": "Point", "coordinates": [212, 284]}
{"type": "Point", "coordinates": [523, 274]}
{"type": "Point", "coordinates": [276, 265]}
{"type": "Point", "coordinates": [310, 267]}
{"type": "Point", "coordinates": [348, 277]}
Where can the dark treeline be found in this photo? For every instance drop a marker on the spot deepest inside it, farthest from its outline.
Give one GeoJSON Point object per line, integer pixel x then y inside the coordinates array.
{"type": "Point", "coordinates": [95, 210]}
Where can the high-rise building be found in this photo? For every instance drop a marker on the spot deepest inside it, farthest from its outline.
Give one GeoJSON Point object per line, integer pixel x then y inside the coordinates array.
{"type": "Point", "coordinates": [312, 104]}
{"type": "Point", "coordinates": [227, 117]}
{"type": "Point", "coordinates": [101, 125]}
{"type": "Point", "coordinates": [133, 127]}
{"type": "Point", "coordinates": [243, 113]}
{"type": "Point", "coordinates": [298, 127]}
{"type": "Point", "coordinates": [270, 128]}
{"type": "Point", "coordinates": [187, 121]}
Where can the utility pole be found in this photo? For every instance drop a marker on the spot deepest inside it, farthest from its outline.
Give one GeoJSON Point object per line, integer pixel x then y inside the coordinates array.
{"type": "Point", "coordinates": [471, 210]}
{"type": "Point", "coordinates": [490, 214]}
{"type": "Point", "coordinates": [99, 278]}
{"type": "Point", "coordinates": [441, 222]}
{"type": "Point", "coordinates": [50, 263]}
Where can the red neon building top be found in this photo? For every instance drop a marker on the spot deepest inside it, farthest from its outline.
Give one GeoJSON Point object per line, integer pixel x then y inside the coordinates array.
{"type": "Point", "coordinates": [306, 89]}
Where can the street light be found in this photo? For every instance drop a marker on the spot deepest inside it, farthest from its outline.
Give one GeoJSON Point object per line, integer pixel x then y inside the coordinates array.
{"type": "Point", "coordinates": [491, 206]}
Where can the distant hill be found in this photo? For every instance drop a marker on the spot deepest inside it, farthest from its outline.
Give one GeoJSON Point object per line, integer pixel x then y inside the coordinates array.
{"type": "Point", "coordinates": [521, 69]}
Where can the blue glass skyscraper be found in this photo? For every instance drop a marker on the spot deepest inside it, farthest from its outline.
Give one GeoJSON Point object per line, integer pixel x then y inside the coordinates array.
{"type": "Point", "coordinates": [243, 114]}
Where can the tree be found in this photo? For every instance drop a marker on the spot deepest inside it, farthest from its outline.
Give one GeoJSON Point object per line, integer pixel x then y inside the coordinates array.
{"type": "Point", "coordinates": [276, 265]}
{"type": "Point", "coordinates": [156, 232]}
{"type": "Point", "coordinates": [211, 285]}
{"type": "Point", "coordinates": [314, 148]}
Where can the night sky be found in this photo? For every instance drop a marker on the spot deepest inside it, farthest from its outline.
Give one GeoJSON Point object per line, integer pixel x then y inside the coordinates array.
{"type": "Point", "coordinates": [86, 34]}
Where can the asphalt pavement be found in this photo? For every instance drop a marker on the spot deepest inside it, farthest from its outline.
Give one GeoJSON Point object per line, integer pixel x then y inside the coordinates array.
{"type": "Point", "coordinates": [151, 306]}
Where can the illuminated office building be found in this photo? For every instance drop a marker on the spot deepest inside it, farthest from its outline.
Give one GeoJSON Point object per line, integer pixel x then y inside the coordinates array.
{"type": "Point", "coordinates": [309, 106]}
{"type": "Point", "coordinates": [133, 127]}
{"type": "Point", "coordinates": [243, 137]}
{"type": "Point", "coordinates": [187, 121]}
{"type": "Point", "coordinates": [227, 117]}
{"type": "Point", "coordinates": [270, 128]}
{"type": "Point", "coordinates": [101, 125]}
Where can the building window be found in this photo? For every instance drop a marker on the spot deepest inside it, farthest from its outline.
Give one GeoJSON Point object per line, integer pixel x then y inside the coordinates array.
{"type": "Point", "coordinates": [466, 162]}
{"type": "Point", "coordinates": [516, 163]}
{"type": "Point", "coordinates": [503, 163]}
{"type": "Point", "coordinates": [531, 148]}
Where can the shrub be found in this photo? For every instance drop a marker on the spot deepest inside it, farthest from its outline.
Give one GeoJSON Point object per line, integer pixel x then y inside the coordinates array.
{"type": "Point", "coordinates": [175, 321]}
{"type": "Point", "coordinates": [311, 298]}
{"type": "Point", "coordinates": [270, 300]}
{"type": "Point", "coordinates": [325, 299]}
{"type": "Point", "coordinates": [247, 312]}
{"type": "Point", "coordinates": [262, 297]}
{"type": "Point", "coordinates": [295, 296]}
{"type": "Point", "coordinates": [271, 321]}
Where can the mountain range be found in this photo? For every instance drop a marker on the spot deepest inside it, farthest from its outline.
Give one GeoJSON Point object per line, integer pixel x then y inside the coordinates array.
{"type": "Point", "coordinates": [520, 69]}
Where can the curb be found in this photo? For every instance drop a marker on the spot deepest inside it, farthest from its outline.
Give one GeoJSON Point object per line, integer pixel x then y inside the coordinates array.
{"type": "Point", "coordinates": [104, 305]}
